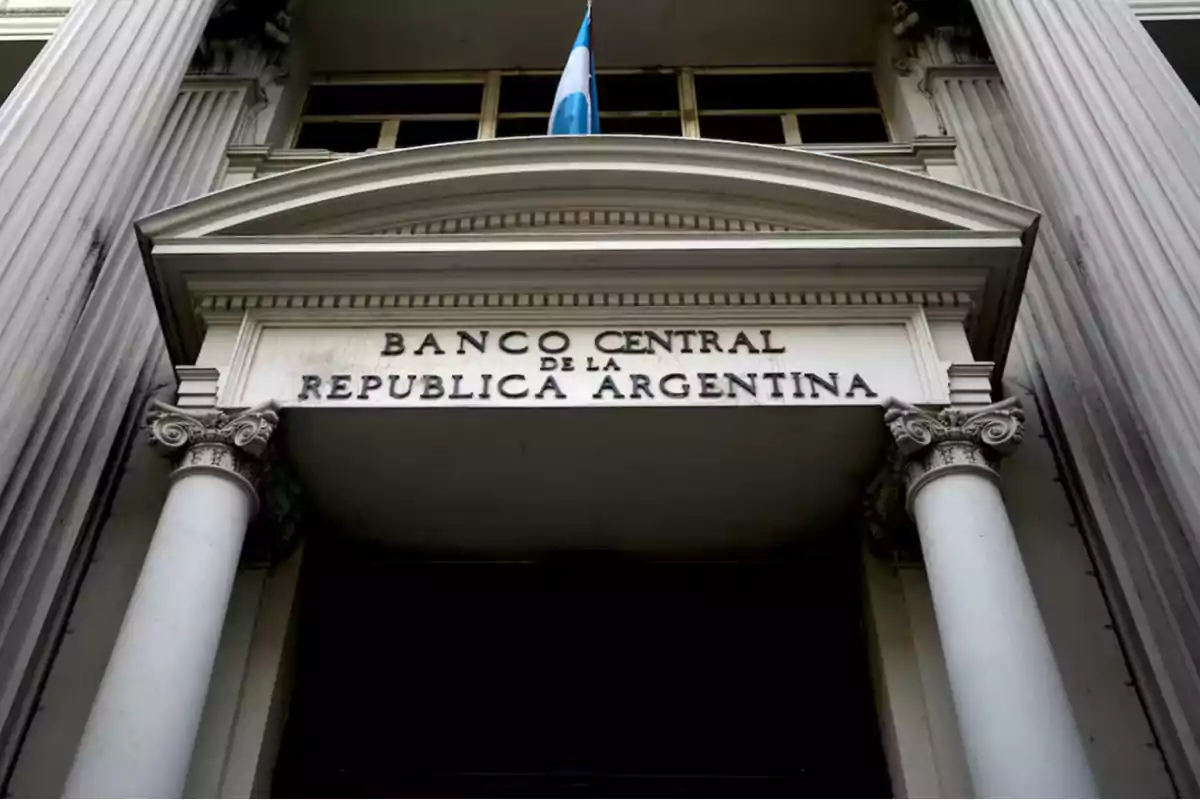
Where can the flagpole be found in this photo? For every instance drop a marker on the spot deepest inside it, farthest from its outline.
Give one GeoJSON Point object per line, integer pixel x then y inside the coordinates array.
{"type": "Point", "coordinates": [595, 122]}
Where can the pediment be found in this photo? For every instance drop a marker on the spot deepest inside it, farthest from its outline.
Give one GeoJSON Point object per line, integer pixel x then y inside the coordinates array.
{"type": "Point", "coordinates": [624, 214]}
{"type": "Point", "coordinates": [620, 181]}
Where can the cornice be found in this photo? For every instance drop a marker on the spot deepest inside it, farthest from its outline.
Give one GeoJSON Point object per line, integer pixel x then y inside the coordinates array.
{"type": "Point", "coordinates": [254, 162]}
{"type": "Point", "coordinates": [863, 194]}
{"type": "Point", "coordinates": [946, 268]}
{"type": "Point", "coordinates": [774, 219]}
{"type": "Point", "coordinates": [30, 24]}
{"type": "Point", "coordinates": [217, 305]}
{"type": "Point", "coordinates": [197, 82]}
{"type": "Point", "coordinates": [1152, 10]}
{"type": "Point", "coordinates": [961, 72]}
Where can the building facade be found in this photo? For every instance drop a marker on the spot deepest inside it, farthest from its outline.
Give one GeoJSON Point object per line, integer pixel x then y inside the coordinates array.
{"type": "Point", "coordinates": [823, 427]}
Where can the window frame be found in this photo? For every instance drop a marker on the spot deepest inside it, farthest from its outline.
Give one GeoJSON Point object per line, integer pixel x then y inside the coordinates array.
{"type": "Point", "coordinates": [677, 113]}
{"type": "Point", "coordinates": [688, 112]}
{"type": "Point", "coordinates": [389, 129]}
{"type": "Point", "coordinates": [789, 115]}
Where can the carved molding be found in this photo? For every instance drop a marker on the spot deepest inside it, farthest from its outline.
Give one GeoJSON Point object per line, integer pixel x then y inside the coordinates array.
{"type": "Point", "coordinates": [233, 443]}
{"type": "Point", "coordinates": [890, 533]}
{"type": "Point", "coordinates": [277, 528]}
{"type": "Point", "coordinates": [953, 440]}
{"type": "Point", "coordinates": [30, 24]}
{"type": "Point", "coordinates": [253, 162]}
{"type": "Point", "coordinates": [580, 219]}
{"type": "Point", "coordinates": [929, 299]}
{"type": "Point", "coordinates": [1165, 9]}
{"type": "Point", "coordinates": [739, 180]}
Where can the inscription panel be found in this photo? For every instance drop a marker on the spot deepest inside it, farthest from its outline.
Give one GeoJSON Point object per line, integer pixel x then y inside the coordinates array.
{"type": "Point", "coordinates": [547, 365]}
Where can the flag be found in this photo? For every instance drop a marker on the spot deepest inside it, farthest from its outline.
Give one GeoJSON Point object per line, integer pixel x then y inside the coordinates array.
{"type": "Point", "coordinates": [575, 110]}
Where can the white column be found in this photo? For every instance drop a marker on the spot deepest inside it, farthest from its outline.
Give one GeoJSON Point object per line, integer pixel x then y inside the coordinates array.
{"type": "Point", "coordinates": [1112, 133]}
{"type": "Point", "coordinates": [1016, 723]}
{"type": "Point", "coordinates": [76, 140]}
{"type": "Point", "coordinates": [138, 740]}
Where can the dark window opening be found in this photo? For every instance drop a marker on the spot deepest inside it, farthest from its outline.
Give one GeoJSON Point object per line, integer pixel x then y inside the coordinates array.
{"type": "Point", "coordinates": [641, 91]}
{"type": "Point", "coordinates": [842, 128]}
{"type": "Point", "coordinates": [340, 137]}
{"type": "Point", "coordinates": [527, 93]}
{"type": "Point", "coordinates": [522, 126]}
{"type": "Point", "coordinates": [394, 98]}
{"type": "Point", "coordinates": [786, 90]}
{"type": "Point", "coordinates": [643, 126]}
{"type": "Point", "coordinates": [416, 132]}
{"type": "Point", "coordinates": [753, 129]}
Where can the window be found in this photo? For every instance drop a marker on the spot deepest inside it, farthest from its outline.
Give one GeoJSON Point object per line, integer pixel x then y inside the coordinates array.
{"type": "Point", "coordinates": [642, 102]}
{"type": "Point", "coordinates": [809, 106]}
{"type": "Point", "coordinates": [782, 106]}
{"type": "Point", "coordinates": [351, 117]}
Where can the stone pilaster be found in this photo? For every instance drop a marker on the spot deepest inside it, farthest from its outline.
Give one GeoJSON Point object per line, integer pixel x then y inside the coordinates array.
{"type": "Point", "coordinates": [139, 737]}
{"type": "Point", "coordinates": [1018, 731]}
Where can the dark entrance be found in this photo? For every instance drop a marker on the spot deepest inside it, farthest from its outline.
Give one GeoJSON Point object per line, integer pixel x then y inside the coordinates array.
{"type": "Point", "coordinates": [579, 676]}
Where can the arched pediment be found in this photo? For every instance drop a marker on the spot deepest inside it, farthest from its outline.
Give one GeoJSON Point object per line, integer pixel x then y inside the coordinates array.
{"type": "Point", "coordinates": [569, 183]}
{"type": "Point", "coordinates": [632, 215]}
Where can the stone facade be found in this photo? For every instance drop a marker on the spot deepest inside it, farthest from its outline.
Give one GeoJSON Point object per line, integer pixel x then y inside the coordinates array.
{"type": "Point", "coordinates": [910, 280]}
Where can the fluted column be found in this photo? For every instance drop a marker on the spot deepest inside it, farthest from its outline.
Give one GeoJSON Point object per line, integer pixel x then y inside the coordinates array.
{"type": "Point", "coordinates": [1113, 134]}
{"type": "Point", "coordinates": [112, 360]}
{"type": "Point", "coordinates": [75, 139]}
{"type": "Point", "coordinates": [1017, 728]}
{"type": "Point", "coordinates": [139, 737]}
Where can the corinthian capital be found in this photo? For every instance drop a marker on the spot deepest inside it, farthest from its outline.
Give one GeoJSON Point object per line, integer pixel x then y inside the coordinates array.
{"type": "Point", "coordinates": [232, 442]}
{"type": "Point", "coordinates": [953, 439]}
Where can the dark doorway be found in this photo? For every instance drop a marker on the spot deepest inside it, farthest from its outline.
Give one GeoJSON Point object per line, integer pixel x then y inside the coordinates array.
{"type": "Point", "coordinates": [579, 676]}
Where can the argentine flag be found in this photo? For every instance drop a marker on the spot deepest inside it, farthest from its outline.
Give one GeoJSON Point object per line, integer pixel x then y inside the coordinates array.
{"type": "Point", "coordinates": [575, 110]}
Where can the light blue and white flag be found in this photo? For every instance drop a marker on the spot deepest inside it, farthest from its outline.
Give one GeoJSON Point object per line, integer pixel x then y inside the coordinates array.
{"type": "Point", "coordinates": [575, 110]}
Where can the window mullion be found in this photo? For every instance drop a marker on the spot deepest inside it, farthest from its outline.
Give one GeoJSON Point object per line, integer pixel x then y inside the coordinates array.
{"type": "Point", "coordinates": [491, 106]}
{"type": "Point", "coordinates": [688, 112]}
{"type": "Point", "coordinates": [388, 132]}
{"type": "Point", "coordinates": [791, 129]}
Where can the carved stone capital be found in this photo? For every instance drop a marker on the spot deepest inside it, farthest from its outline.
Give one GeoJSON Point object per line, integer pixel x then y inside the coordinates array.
{"type": "Point", "coordinates": [233, 443]}
{"type": "Point", "coordinates": [891, 534]}
{"type": "Point", "coordinates": [953, 439]}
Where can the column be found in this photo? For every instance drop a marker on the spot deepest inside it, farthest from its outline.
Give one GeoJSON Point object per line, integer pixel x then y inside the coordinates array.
{"type": "Point", "coordinates": [138, 740]}
{"type": "Point", "coordinates": [1113, 133]}
{"type": "Point", "coordinates": [76, 136]}
{"type": "Point", "coordinates": [1018, 732]}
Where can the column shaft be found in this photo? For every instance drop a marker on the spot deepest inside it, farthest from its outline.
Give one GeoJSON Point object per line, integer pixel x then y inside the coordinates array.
{"type": "Point", "coordinates": [139, 737]}
{"type": "Point", "coordinates": [114, 353]}
{"type": "Point", "coordinates": [75, 139]}
{"type": "Point", "coordinates": [1013, 713]}
{"type": "Point", "coordinates": [1018, 731]}
{"type": "Point", "coordinates": [1112, 132]}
